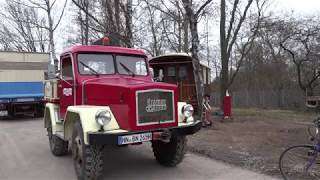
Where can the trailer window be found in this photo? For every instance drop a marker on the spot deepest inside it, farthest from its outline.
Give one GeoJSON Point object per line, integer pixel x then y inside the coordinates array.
{"type": "Point", "coordinates": [182, 72]}
{"type": "Point", "coordinates": [171, 71]}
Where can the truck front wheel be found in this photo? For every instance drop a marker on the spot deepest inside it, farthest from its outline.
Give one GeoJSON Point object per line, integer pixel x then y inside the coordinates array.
{"type": "Point", "coordinates": [172, 153]}
{"type": "Point", "coordinates": [58, 146]}
{"type": "Point", "coordinates": [87, 159]}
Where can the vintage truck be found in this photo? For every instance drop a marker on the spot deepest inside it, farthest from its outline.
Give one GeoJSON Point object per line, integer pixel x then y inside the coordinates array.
{"type": "Point", "coordinates": [105, 96]}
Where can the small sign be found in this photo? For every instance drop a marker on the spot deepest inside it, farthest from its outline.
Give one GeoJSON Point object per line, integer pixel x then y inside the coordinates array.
{"type": "Point", "coordinates": [67, 91]}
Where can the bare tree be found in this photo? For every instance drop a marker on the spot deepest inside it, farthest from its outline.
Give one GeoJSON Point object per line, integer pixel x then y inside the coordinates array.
{"type": "Point", "coordinates": [193, 17]}
{"type": "Point", "coordinates": [48, 23]}
{"type": "Point", "coordinates": [113, 18]}
{"type": "Point", "coordinates": [19, 31]}
{"type": "Point", "coordinates": [302, 45]}
{"type": "Point", "coordinates": [83, 21]}
{"type": "Point", "coordinates": [229, 36]}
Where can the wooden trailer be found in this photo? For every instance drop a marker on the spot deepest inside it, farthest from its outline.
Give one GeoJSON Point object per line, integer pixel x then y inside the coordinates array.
{"type": "Point", "coordinates": [177, 69]}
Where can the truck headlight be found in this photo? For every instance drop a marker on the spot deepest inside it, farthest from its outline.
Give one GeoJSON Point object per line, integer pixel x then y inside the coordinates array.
{"type": "Point", "coordinates": [187, 110]}
{"type": "Point", "coordinates": [103, 117]}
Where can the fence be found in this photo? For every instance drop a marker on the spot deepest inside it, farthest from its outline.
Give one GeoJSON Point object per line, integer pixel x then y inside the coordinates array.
{"type": "Point", "coordinates": [284, 99]}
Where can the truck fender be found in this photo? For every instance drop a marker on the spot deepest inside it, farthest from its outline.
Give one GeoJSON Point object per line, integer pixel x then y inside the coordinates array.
{"type": "Point", "coordinates": [51, 115]}
{"type": "Point", "coordinates": [86, 116]}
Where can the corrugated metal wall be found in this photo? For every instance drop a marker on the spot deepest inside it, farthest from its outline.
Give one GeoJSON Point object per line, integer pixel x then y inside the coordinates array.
{"type": "Point", "coordinates": [23, 66]}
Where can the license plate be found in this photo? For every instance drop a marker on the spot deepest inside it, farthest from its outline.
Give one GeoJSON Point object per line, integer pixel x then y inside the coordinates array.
{"type": "Point", "coordinates": [3, 113]}
{"type": "Point", "coordinates": [135, 138]}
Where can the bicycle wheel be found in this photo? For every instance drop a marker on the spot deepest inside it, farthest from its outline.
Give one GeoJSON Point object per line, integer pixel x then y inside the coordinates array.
{"type": "Point", "coordinates": [300, 162]}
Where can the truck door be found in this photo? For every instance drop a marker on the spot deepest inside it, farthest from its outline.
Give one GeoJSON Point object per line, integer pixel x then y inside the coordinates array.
{"type": "Point", "coordinates": [66, 85]}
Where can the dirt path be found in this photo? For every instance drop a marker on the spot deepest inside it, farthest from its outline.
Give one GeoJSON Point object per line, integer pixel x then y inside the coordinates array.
{"type": "Point", "coordinates": [254, 139]}
{"type": "Point", "coordinates": [25, 155]}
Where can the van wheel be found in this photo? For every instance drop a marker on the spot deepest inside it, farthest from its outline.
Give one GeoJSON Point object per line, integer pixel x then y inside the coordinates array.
{"type": "Point", "coordinates": [58, 146]}
{"type": "Point", "coordinates": [87, 159]}
{"type": "Point", "coordinates": [172, 153]}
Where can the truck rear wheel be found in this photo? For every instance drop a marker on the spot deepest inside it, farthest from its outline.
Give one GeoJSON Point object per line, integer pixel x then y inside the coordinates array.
{"type": "Point", "coordinates": [87, 159]}
{"type": "Point", "coordinates": [58, 146]}
{"type": "Point", "coordinates": [172, 153]}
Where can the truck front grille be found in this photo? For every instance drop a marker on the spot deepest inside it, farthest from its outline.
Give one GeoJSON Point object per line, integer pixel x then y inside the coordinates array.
{"type": "Point", "coordinates": [154, 107]}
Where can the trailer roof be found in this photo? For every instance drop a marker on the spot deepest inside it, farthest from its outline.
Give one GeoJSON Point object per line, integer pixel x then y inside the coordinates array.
{"type": "Point", "coordinates": [174, 58]}
{"type": "Point", "coordinates": [103, 49]}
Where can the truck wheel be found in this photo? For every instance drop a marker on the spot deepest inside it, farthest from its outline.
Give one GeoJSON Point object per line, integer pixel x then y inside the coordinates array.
{"type": "Point", "coordinates": [87, 159]}
{"type": "Point", "coordinates": [172, 153]}
{"type": "Point", "coordinates": [58, 146]}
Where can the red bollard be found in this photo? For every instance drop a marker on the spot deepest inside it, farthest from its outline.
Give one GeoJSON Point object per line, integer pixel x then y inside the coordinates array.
{"type": "Point", "coordinates": [227, 107]}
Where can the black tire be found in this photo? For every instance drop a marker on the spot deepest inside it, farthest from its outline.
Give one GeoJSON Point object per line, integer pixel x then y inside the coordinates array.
{"type": "Point", "coordinates": [295, 160]}
{"type": "Point", "coordinates": [172, 153]}
{"type": "Point", "coordinates": [39, 112]}
{"type": "Point", "coordinates": [87, 159]}
{"type": "Point", "coordinates": [58, 146]}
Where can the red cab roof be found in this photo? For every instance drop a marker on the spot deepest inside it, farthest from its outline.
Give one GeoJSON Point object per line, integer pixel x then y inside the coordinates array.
{"type": "Point", "coordinates": [102, 49]}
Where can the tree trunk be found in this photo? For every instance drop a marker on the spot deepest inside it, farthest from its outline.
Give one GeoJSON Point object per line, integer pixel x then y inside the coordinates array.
{"type": "Point", "coordinates": [51, 31]}
{"type": "Point", "coordinates": [128, 18]}
{"type": "Point", "coordinates": [224, 76]}
{"type": "Point", "coordinates": [197, 72]}
{"type": "Point", "coordinates": [86, 25]}
{"type": "Point", "coordinates": [185, 34]}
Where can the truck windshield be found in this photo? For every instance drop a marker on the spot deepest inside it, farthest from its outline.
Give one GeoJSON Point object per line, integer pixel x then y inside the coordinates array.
{"type": "Point", "coordinates": [131, 65]}
{"type": "Point", "coordinates": [95, 64]}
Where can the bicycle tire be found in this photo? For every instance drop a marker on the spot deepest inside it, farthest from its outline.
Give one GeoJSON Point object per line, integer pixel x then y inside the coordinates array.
{"type": "Point", "coordinates": [297, 168]}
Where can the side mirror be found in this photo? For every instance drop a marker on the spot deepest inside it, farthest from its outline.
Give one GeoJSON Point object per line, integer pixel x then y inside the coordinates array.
{"type": "Point", "coordinates": [57, 75]}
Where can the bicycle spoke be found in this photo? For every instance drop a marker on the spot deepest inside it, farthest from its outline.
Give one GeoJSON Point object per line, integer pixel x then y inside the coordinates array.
{"type": "Point", "coordinates": [299, 162]}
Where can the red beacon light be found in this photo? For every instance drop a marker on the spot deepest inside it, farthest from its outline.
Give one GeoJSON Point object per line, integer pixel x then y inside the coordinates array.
{"type": "Point", "coordinates": [105, 41]}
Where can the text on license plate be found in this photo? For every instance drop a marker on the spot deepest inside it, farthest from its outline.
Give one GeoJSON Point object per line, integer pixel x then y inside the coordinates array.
{"type": "Point", "coordinates": [135, 138]}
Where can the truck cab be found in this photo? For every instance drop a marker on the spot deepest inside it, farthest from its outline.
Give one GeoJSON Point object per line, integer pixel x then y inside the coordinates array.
{"type": "Point", "coordinates": [105, 96]}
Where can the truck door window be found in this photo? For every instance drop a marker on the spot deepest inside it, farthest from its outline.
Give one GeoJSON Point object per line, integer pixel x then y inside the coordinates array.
{"type": "Point", "coordinates": [66, 69]}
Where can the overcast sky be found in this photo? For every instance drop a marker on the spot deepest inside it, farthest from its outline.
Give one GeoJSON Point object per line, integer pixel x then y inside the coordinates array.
{"type": "Point", "coordinates": [298, 6]}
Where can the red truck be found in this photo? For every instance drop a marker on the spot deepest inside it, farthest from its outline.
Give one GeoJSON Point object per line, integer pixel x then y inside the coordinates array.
{"type": "Point", "coordinates": [106, 96]}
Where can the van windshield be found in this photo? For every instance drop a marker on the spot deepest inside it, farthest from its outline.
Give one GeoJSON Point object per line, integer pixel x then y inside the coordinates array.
{"type": "Point", "coordinates": [93, 64]}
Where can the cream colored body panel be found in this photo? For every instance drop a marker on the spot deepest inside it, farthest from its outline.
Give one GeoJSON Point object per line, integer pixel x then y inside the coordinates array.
{"type": "Point", "coordinates": [51, 89]}
{"type": "Point", "coordinates": [86, 115]}
{"type": "Point", "coordinates": [51, 114]}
